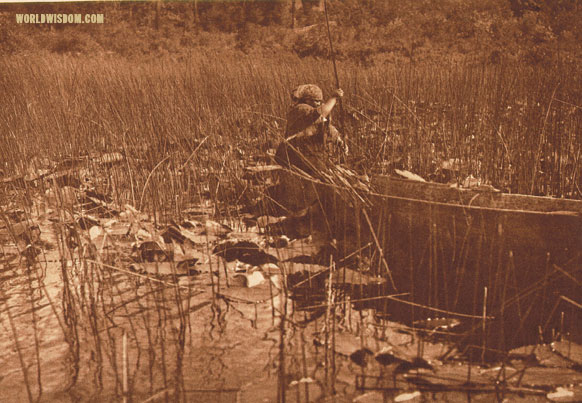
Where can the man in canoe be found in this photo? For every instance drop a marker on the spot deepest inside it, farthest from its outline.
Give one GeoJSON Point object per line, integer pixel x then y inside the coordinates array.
{"type": "Point", "coordinates": [309, 133]}
{"type": "Point", "coordinates": [311, 179]}
{"type": "Point", "coordinates": [305, 152]}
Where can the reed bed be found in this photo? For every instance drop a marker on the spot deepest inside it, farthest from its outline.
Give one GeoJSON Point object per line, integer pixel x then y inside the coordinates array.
{"type": "Point", "coordinates": [187, 128]}
{"type": "Point", "coordinates": [514, 126]}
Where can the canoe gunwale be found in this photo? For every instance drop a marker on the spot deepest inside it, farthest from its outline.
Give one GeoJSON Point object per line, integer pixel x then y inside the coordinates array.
{"type": "Point", "coordinates": [573, 214]}
{"type": "Point", "coordinates": [420, 193]}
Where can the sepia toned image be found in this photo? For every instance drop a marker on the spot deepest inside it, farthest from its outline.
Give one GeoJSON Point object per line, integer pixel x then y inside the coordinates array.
{"type": "Point", "coordinates": [291, 201]}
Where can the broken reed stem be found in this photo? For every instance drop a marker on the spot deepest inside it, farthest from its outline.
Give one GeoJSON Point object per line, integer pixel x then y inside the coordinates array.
{"type": "Point", "coordinates": [115, 291]}
{"type": "Point", "coordinates": [181, 339]}
{"type": "Point", "coordinates": [155, 280]}
{"type": "Point", "coordinates": [146, 314]}
{"type": "Point", "coordinates": [160, 300]}
{"type": "Point", "coordinates": [23, 366]}
{"type": "Point", "coordinates": [112, 337]}
{"type": "Point", "coordinates": [541, 141]}
{"type": "Point", "coordinates": [125, 369]}
{"type": "Point", "coordinates": [329, 353]}
{"type": "Point", "coordinates": [326, 332]}
{"type": "Point", "coordinates": [28, 270]}
{"type": "Point", "coordinates": [304, 362]}
{"type": "Point", "coordinates": [484, 325]}
{"type": "Point", "coordinates": [460, 315]}
{"type": "Point", "coordinates": [51, 302]}
{"type": "Point", "coordinates": [70, 316]}
{"type": "Point", "coordinates": [333, 319]}
{"type": "Point", "coordinates": [353, 301]}
{"type": "Point", "coordinates": [148, 180]}
{"type": "Point", "coordinates": [89, 281]}
{"type": "Point", "coordinates": [359, 250]}
{"type": "Point", "coordinates": [272, 300]}
{"type": "Point", "coordinates": [388, 271]}
{"type": "Point", "coordinates": [574, 303]}
{"type": "Point", "coordinates": [281, 393]}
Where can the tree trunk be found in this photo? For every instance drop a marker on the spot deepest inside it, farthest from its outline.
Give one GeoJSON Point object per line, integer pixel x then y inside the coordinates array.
{"type": "Point", "coordinates": [157, 19]}
{"type": "Point", "coordinates": [195, 11]}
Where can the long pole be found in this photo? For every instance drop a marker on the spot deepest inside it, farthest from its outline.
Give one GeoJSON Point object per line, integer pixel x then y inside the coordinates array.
{"type": "Point", "coordinates": [337, 83]}
{"type": "Point", "coordinates": [330, 44]}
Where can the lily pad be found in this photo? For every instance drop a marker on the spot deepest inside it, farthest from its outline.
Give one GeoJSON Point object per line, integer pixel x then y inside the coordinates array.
{"type": "Point", "coordinates": [568, 350]}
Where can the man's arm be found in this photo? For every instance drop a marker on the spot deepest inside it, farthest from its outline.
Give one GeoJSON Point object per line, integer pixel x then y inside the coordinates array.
{"type": "Point", "coordinates": [328, 106]}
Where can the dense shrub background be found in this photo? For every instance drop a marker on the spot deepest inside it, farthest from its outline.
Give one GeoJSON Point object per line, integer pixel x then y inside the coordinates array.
{"type": "Point", "coordinates": [365, 31]}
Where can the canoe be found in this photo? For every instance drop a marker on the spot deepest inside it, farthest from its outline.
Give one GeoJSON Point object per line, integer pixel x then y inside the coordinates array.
{"type": "Point", "coordinates": [471, 252]}
{"type": "Point", "coordinates": [458, 252]}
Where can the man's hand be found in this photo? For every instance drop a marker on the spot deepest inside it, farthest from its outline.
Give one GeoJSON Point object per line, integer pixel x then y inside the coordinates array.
{"type": "Point", "coordinates": [338, 93]}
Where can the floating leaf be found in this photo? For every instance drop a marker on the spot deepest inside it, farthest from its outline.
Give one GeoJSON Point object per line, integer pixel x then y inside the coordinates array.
{"type": "Point", "coordinates": [561, 395]}
{"type": "Point", "coordinates": [188, 266]}
{"type": "Point", "coordinates": [173, 233]}
{"type": "Point", "coordinates": [370, 397]}
{"type": "Point", "coordinates": [249, 280]}
{"type": "Point", "coordinates": [360, 357]}
{"type": "Point", "coordinates": [569, 350]}
{"type": "Point", "coordinates": [404, 397]}
{"type": "Point", "coordinates": [117, 228]}
{"type": "Point", "coordinates": [245, 251]}
{"type": "Point", "coordinates": [279, 241]}
{"type": "Point", "coordinates": [409, 175]}
{"type": "Point", "coordinates": [151, 251]}
{"type": "Point", "coordinates": [198, 238]}
{"type": "Point", "coordinates": [438, 323]}
{"type": "Point", "coordinates": [143, 234]}
{"type": "Point", "coordinates": [345, 276]}
{"type": "Point", "coordinates": [388, 358]}
{"type": "Point", "coordinates": [265, 220]}
{"type": "Point", "coordinates": [302, 380]}
{"type": "Point", "coordinates": [190, 224]}
{"type": "Point", "coordinates": [157, 268]}
{"type": "Point", "coordinates": [216, 229]}
{"type": "Point", "coordinates": [95, 232]}
{"type": "Point", "coordinates": [542, 354]}
{"type": "Point", "coordinates": [270, 268]}
{"type": "Point", "coordinates": [87, 222]}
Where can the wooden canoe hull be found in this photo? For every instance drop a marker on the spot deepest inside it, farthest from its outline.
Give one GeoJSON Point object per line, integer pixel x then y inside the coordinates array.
{"type": "Point", "coordinates": [445, 246]}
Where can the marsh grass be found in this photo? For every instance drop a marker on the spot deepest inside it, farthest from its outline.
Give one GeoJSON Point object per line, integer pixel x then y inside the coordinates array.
{"type": "Point", "coordinates": [188, 127]}
{"type": "Point", "coordinates": [514, 126]}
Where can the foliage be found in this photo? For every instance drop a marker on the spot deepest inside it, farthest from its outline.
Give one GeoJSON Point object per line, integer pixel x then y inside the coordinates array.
{"type": "Point", "coordinates": [500, 120]}
{"type": "Point", "coordinates": [362, 30]}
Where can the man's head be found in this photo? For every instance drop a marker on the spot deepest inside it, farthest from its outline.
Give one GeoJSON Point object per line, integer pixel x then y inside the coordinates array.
{"type": "Point", "coordinates": [307, 93]}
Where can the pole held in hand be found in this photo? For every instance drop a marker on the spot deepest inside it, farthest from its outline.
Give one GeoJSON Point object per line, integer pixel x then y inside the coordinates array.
{"type": "Point", "coordinates": [337, 83]}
